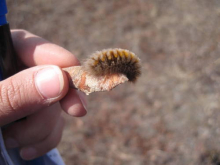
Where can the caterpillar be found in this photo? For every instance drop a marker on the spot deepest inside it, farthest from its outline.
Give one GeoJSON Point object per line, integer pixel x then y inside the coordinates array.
{"type": "Point", "coordinates": [111, 61]}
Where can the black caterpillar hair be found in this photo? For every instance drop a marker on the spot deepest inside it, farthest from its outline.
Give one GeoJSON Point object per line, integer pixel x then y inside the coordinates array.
{"type": "Point", "coordinates": [110, 61]}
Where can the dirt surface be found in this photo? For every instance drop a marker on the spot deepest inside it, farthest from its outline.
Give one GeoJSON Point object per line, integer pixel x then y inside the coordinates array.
{"type": "Point", "coordinates": [171, 116]}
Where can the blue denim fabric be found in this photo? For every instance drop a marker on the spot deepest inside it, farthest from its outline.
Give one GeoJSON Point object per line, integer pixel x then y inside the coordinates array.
{"type": "Point", "coordinates": [12, 157]}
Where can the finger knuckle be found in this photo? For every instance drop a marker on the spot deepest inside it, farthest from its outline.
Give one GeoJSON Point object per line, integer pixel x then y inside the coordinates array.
{"type": "Point", "coordinates": [56, 138]}
{"type": "Point", "coordinates": [37, 137]}
{"type": "Point", "coordinates": [53, 142]}
{"type": "Point", "coordinates": [11, 95]}
{"type": "Point", "coordinates": [29, 138]}
{"type": "Point", "coordinates": [44, 132]}
{"type": "Point", "coordinates": [21, 32]}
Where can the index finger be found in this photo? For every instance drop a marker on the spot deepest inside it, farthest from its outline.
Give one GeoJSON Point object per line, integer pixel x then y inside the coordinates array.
{"type": "Point", "coordinates": [34, 50]}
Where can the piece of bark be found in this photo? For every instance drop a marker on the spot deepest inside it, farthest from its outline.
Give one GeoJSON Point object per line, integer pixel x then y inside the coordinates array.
{"type": "Point", "coordinates": [87, 83]}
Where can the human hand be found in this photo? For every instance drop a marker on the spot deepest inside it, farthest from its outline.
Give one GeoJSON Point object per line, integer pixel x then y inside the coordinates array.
{"type": "Point", "coordinates": [35, 93]}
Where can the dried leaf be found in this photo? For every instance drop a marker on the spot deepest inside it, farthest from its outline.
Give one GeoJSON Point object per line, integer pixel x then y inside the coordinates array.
{"type": "Point", "coordinates": [88, 83]}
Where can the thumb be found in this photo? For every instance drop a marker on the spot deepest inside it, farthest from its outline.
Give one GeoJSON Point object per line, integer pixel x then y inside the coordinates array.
{"type": "Point", "coordinates": [31, 90]}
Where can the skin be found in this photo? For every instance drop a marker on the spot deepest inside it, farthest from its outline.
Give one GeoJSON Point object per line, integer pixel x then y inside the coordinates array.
{"type": "Point", "coordinates": [21, 96]}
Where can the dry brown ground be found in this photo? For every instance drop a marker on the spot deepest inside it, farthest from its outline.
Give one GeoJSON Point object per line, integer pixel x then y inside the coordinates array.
{"type": "Point", "coordinates": [172, 114]}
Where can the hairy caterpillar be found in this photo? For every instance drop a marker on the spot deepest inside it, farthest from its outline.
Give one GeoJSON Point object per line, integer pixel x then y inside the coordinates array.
{"type": "Point", "coordinates": [111, 61]}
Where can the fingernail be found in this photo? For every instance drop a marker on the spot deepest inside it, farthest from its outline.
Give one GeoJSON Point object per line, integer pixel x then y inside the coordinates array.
{"type": "Point", "coordinates": [28, 153]}
{"type": "Point", "coordinates": [49, 82]}
{"type": "Point", "coordinates": [11, 143]}
{"type": "Point", "coordinates": [82, 99]}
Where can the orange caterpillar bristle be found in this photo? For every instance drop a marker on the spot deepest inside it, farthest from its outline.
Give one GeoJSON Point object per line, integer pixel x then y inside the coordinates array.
{"type": "Point", "coordinates": [110, 61]}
